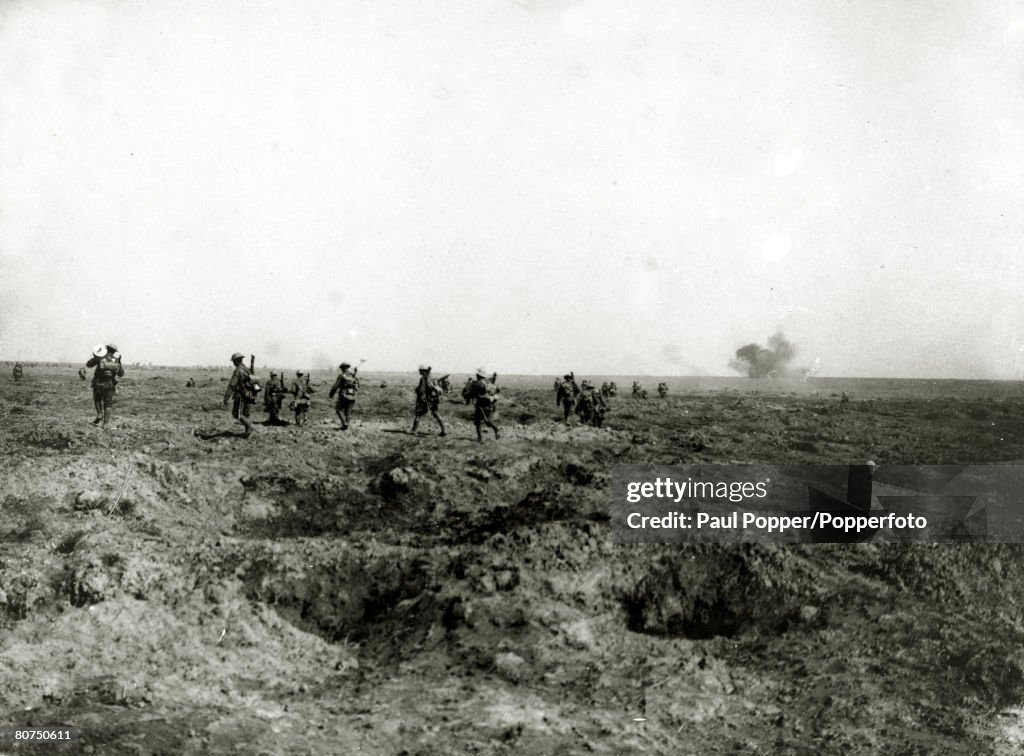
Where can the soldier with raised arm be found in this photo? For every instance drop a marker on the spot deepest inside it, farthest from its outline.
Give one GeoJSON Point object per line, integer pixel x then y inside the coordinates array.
{"type": "Point", "coordinates": [107, 361]}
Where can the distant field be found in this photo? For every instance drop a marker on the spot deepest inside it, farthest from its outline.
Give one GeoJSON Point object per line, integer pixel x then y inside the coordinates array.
{"type": "Point", "coordinates": [859, 388]}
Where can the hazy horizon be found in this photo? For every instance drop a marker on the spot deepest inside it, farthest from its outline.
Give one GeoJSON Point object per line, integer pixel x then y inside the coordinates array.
{"type": "Point", "coordinates": [531, 186]}
{"type": "Point", "coordinates": [263, 369]}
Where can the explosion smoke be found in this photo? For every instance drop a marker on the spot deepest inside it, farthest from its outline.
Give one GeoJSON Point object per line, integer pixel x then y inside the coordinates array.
{"type": "Point", "coordinates": [762, 362]}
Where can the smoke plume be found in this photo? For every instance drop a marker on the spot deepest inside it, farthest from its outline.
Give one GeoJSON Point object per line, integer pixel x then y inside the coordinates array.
{"type": "Point", "coordinates": [765, 361]}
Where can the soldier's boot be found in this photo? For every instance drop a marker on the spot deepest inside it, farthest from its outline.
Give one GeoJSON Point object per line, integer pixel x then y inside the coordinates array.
{"type": "Point", "coordinates": [99, 413]}
{"type": "Point", "coordinates": [479, 434]}
{"type": "Point", "coordinates": [415, 425]}
{"type": "Point", "coordinates": [106, 417]}
{"type": "Point", "coordinates": [441, 423]}
{"type": "Point", "coordinates": [248, 426]}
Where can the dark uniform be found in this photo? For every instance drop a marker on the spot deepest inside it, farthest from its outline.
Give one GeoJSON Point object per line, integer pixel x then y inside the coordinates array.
{"type": "Point", "coordinates": [273, 397]}
{"type": "Point", "coordinates": [242, 389]}
{"type": "Point", "coordinates": [17, 371]}
{"type": "Point", "coordinates": [590, 406]}
{"type": "Point", "coordinates": [662, 390]}
{"type": "Point", "coordinates": [301, 392]}
{"type": "Point", "coordinates": [81, 373]}
{"type": "Point", "coordinates": [639, 392]}
{"type": "Point", "coordinates": [345, 386]}
{"type": "Point", "coordinates": [107, 362]}
{"type": "Point", "coordinates": [566, 395]}
{"type": "Point", "coordinates": [480, 393]}
{"type": "Point", "coordinates": [428, 399]}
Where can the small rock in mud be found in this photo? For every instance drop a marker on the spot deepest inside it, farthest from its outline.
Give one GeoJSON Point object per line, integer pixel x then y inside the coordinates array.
{"type": "Point", "coordinates": [579, 635]}
{"type": "Point", "coordinates": [86, 500]}
{"type": "Point", "coordinates": [510, 666]}
{"type": "Point", "coordinates": [487, 584]}
{"type": "Point", "coordinates": [506, 580]}
{"type": "Point", "coordinates": [809, 613]}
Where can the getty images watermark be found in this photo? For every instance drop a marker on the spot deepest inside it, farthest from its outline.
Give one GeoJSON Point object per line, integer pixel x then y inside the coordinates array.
{"type": "Point", "coordinates": [818, 503]}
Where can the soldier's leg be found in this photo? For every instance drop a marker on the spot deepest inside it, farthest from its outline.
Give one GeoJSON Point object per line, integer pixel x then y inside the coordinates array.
{"type": "Point", "coordinates": [415, 423]}
{"type": "Point", "coordinates": [244, 419]}
{"type": "Point", "coordinates": [490, 424]}
{"type": "Point", "coordinates": [106, 411]}
{"type": "Point", "coordinates": [439, 422]}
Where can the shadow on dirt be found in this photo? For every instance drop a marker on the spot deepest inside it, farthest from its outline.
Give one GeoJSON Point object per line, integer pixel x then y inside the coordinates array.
{"type": "Point", "coordinates": [705, 593]}
{"type": "Point", "coordinates": [214, 435]}
{"type": "Point", "coordinates": [386, 603]}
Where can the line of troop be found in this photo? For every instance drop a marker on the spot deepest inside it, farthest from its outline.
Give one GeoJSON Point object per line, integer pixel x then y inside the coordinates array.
{"type": "Point", "coordinates": [244, 388]}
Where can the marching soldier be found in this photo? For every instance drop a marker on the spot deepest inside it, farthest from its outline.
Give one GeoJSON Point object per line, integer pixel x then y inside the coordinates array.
{"type": "Point", "coordinates": [566, 394]}
{"type": "Point", "coordinates": [301, 392]}
{"type": "Point", "coordinates": [428, 399]}
{"type": "Point", "coordinates": [606, 390]}
{"type": "Point", "coordinates": [242, 390]}
{"type": "Point", "coordinates": [107, 361]}
{"type": "Point", "coordinates": [484, 398]}
{"type": "Point", "coordinates": [345, 386]}
{"type": "Point", "coordinates": [590, 406]}
{"type": "Point", "coordinates": [81, 374]}
{"type": "Point", "coordinates": [18, 370]}
{"type": "Point", "coordinates": [639, 392]}
{"type": "Point", "coordinates": [273, 397]}
{"type": "Point", "coordinates": [662, 390]}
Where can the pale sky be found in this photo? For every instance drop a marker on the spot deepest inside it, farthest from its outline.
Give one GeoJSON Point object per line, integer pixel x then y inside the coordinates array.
{"type": "Point", "coordinates": [535, 187]}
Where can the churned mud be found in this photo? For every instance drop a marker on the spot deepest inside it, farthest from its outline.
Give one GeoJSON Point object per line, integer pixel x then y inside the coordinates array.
{"type": "Point", "coordinates": [169, 587]}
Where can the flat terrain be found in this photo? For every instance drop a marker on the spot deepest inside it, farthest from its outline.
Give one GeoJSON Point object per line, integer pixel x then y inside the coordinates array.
{"type": "Point", "coordinates": [169, 587]}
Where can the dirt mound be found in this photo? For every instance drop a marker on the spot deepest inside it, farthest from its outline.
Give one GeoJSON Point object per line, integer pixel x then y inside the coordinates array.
{"type": "Point", "coordinates": [319, 591]}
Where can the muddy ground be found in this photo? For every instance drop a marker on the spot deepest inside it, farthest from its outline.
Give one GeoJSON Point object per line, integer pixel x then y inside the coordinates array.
{"type": "Point", "coordinates": [169, 587]}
